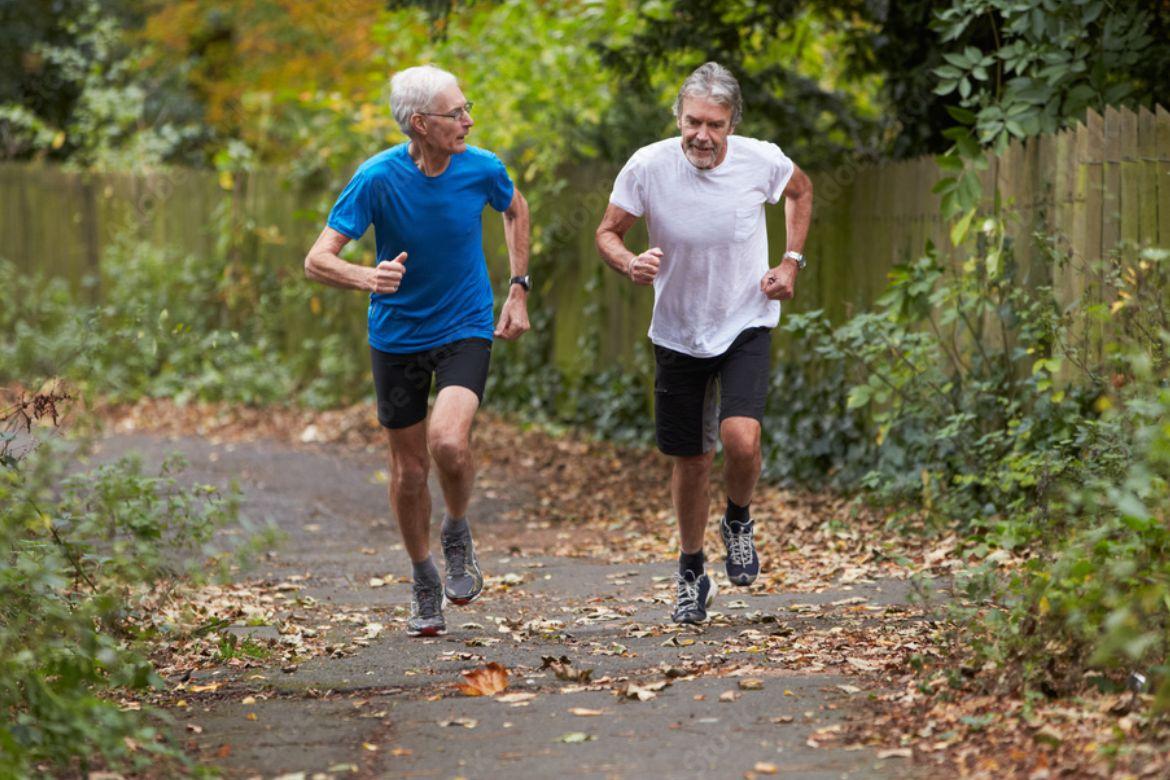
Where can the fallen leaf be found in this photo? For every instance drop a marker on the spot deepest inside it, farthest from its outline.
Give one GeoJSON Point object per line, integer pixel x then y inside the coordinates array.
{"type": "Point", "coordinates": [401, 751]}
{"type": "Point", "coordinates": [850, 689]}
{"type": "Point", "coordinates": [751, 684]}
{"type": "Point", "coordinates": [516, 698]}
{"type": "Point", "coordinates": [248, 700]}
{"type": "Point", "coordinates": [729, 696]}
{"type": "Point", "coordinates": [632, 691]}
{"type": "Point", "coordinates": [370, 747]}
{"type": "Point", "coordinates": [563, 668]}
{"type": "Point", "coordinates": [485, 681]}
{"type": "Point", "coordinates": [782, 719]}
{"type": "Point", "coordinates": [896, 753]}
{"type": "Point", "coordinates": [586, 713]}
{"type": "Point", "coordinates": [194, 728]}
{"type": "Point", "coordinates": [376, 582]}
{"type": "Point", "coordinates": [575, 736]}
{"type": "Point", "coordinates": [765, 768]}
{"type": "Point", "coordinates": [209, 688]}
{"type": "Point", "coordinates": [251, 716]}
{"type": "Point", "coordinates": [467, 723]}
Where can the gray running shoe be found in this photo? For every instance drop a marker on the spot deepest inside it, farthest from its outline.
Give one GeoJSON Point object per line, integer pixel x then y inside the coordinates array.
{"type": "Point", "coordinates": [426, 610]}
{"type": "Point", "coordinates": [464, 581]}
{"type": "Point", "coordinates": [695, 594]}
{"type": "Point", "coordinates": [742, 562]}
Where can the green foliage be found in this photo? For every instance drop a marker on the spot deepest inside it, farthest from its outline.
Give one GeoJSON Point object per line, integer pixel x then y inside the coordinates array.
{"type": "Point", "coordinates": [81, 553]}
{"type": "Point", "coordinates": [1036, 431]}
{"type": "Point", "coordinates": [74, 89]}
{"type": "Point", "coordinates": [1022, 69]}
{"type": "Point", "coordinates": [190, 328]}
{"type": "Point", "coordinates": [1049, 63]}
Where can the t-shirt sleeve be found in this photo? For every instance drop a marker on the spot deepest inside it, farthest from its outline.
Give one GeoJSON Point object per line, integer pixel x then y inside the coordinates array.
{"type": "Point", "coordinates": [779, 169]}
{"type": "Point", "coordinates": [352, 214]}
{"type": "Point", "coordinates": [500, 187]}
{"type": "Point", "coordinates": [628, 194]}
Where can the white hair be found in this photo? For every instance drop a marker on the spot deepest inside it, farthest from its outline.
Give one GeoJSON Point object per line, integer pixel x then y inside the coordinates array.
{"type": "Point", "coordinates": [711, 81]}
{"type": "Point", "coordinates": [412, 91]}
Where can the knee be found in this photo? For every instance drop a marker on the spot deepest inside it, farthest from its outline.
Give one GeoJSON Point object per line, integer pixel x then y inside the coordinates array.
{"type": "Point", "coordinates": [694, 468]}
{"type": "Point", "coordinates": [741, 449]}
{"type": "Point", "coordinates": [450, 452]}
{"type": "Point", "coordinates": [409, 475]}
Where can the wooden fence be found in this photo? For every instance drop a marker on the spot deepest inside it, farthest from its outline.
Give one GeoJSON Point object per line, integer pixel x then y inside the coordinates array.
{"type": "Point", "coordinates": [1096, 186]}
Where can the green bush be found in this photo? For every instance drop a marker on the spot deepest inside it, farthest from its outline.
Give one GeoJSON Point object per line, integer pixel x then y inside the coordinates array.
{"type": "Point", "coordinates": [1033, 428]}
{"type": "Point", "coordinates": [79, 553]}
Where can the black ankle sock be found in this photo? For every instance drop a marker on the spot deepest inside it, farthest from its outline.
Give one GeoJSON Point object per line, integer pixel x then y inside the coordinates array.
{"type": "Point", "coordinates": [737, 513]}
{"type": "Point", "coordinates": [690, 562]}
{"type": "Point", "coordinates": [425, 572]}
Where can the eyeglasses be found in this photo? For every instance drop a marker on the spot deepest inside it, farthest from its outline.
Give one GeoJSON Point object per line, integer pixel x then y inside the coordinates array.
{"type": "Point", "coordinates": [455, 114]}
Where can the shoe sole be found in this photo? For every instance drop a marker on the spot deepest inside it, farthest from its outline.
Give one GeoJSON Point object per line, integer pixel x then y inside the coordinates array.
{"type": "Point", "coordinates": [426, 632]}
{"type": "Point", "coordinates": [459, 602]}
{"type": "Point", "coordinates": [743, 580]}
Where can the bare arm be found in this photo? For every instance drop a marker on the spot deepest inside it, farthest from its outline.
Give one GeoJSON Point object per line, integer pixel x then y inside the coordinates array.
{"type": "Point", "coordinates": [514, 313]}
{"type": "Point", "coordinates": [779, 283]}
{"type": "Point", "coordinates": [322, 264]}
{"type": "Point", "coordinates": [798, 197]}
{"type": "Point", "coordinates": [517, 234]}
{"type": "Point", "coordinates": [611, 245]}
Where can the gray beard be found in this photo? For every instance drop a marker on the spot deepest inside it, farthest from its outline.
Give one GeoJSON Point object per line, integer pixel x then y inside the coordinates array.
{"type": "Point", "coordinates": [708, 161]}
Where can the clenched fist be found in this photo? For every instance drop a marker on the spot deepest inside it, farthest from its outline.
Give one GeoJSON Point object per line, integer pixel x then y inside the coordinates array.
{"type": "Point", "coordinates": [388, 275]}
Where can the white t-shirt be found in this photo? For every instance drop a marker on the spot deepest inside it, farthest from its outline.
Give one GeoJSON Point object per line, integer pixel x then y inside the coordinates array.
{"type": "Point", "coordinates": [711, 229]}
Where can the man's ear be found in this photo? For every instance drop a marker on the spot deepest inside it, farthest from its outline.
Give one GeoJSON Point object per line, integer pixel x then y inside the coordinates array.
{"type": "Point", "coordinates": [418, 124]}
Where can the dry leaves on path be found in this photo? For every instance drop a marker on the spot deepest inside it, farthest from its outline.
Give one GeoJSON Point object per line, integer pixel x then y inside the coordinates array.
{"type": "Point", "coordinates": [485, 681]}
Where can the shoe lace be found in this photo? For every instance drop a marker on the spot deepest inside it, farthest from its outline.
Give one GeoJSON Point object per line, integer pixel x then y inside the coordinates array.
{"type": "Point", "coordinates": [688, 592]}
{"type": "Point", "coordinates": [455, 551]}
{"type": "Point", "coordinates": [426, 601]}
{"type": "Point", "coordinates": [739, 547]}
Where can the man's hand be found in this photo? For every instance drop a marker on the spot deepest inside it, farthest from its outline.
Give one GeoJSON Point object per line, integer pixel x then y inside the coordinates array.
{"type": "Point", "coordinates": [513, 315]}
{"type": "Point", "coordinates": [779, 283]}
{"type": "Point", "coordinates": [644, 267]}
{"type": "Point", "coordinates": [388, 275]}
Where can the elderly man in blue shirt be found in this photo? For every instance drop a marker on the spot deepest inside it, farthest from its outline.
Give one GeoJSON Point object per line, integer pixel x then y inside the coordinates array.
{"type": "Point", "coordinates": [430, 313]}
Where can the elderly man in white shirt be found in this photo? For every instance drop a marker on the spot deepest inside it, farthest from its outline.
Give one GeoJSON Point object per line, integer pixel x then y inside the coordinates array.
{"type": "Point", "coordinates": [716, 300]}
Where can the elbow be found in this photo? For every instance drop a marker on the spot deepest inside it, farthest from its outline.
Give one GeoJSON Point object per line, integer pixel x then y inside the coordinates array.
{"type": "Point", "coordinates": [599, 240]}
{"type": "Point", "coordinates": [310, 267]}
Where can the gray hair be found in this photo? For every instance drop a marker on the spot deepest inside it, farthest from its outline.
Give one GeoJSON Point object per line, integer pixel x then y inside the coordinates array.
{"type": "Point", "coordinates": [413, 90]}
{"type": "Point", "coordinates": [711, 81]}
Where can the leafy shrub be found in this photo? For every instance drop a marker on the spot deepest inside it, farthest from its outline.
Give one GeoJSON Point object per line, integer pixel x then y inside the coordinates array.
{"type": "Point", "coordinates": [78, 554]}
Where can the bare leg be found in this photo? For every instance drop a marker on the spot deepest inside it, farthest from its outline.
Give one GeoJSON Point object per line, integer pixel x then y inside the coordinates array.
{"type": "Point", "coordinates": [741, 457]}
{"type": "Point", "coordinates": [690, 489]}
{"type": "Point", "coordinates": [449, 440]}
{"type": "Point", "coordinates": [410, 498]}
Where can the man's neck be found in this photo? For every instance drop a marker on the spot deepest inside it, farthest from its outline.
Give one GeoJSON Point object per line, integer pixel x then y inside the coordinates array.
{"type": "Point", "coordinates": [431, 162]}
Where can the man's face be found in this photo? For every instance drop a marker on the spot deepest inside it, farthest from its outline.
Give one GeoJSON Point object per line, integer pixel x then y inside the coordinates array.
{"type": "Point", "coordinates": [443, 132]}
{"type": "Point", "coordinates": [705, 126]}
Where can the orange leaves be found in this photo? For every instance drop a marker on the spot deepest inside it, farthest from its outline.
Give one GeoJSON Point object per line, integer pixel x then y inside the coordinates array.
{"type": "Point", "coordinates": [485, 681]}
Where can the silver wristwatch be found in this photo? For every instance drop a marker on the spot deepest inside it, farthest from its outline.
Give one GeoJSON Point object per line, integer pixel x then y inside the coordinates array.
{"type": "Point", "coordinates": [798, 257]}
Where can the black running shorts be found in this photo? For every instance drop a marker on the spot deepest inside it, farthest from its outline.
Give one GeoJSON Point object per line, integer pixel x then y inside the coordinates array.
{"type": "Point", "coordinates": [403, 382]}
{"type": "Point", "coordinates": [693, 395]}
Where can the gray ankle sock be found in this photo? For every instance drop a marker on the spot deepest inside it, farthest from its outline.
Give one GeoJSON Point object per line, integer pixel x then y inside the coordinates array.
{"type": "Point", "coordinates": [425, 572]}
{"type": "Point", "coordinates": [453, 526]}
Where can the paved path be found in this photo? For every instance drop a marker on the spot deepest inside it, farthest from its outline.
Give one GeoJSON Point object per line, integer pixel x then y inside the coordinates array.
{"type": "Point", "coordinates": [380, 712]}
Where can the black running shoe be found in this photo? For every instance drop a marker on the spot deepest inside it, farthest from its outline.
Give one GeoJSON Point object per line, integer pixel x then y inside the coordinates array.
{"type": "Point", "coordinates": [695, 594]}
{"type": "Point", "coordinates": [426, 610]}
{"type": "Point", "coordinates": [464, 581]}
{"type": "Point", "coordinates": [742, 562]}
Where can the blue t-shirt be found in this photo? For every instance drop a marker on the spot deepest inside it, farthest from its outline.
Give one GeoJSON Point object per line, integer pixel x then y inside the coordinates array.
{"type": "Point", "coordinates": [445, 294]}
